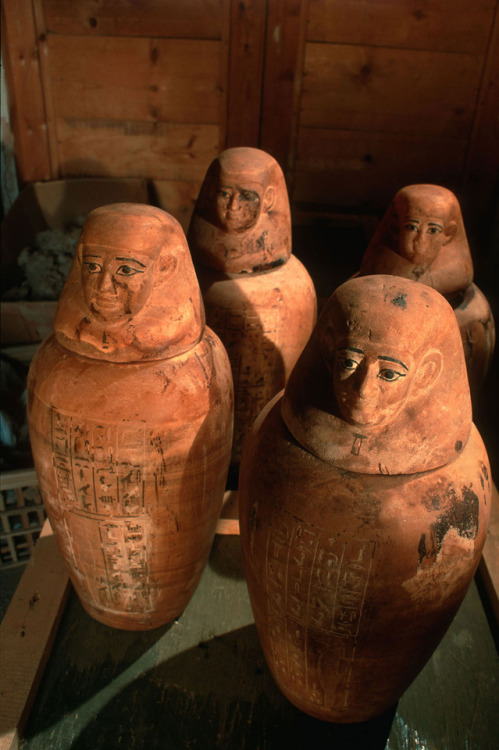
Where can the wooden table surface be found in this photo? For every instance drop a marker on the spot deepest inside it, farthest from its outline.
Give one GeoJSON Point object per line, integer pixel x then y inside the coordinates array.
{"type": "Point", "coordinates": [202, 682]}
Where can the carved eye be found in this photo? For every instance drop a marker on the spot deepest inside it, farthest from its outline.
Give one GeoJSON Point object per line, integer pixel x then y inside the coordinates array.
{"type": "Point", "coordinates": [224, 194]}
{"type": "Point", "coordinates": [247, 195]}
{"type": "Point", "coordinates": [127, 271]}
{"type": "Point", "coordinates": [390, 375]}
{"type": "Point", "coordinates": [434, 230]}
{"type": "Point", "coordinates": [411, 227]}
{"type": "Point", "coordinates": [92, 266]}
{"type": "Point", "coordinates": [348, 364]}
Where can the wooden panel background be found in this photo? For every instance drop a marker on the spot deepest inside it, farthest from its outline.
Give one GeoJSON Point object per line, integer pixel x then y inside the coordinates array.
{"type": "Point", "coordinates": [390, 95]}
{"type": "Point", "coordinates": [127, 90]}
{"type": "Point", "coordinates": [196, 19]}
{"type": "Point", "coordinates": [24, 83]}
{"type": "Point", "coordinates": [387, 90]}
{"type": "Point", "coordinates": [355, 98]}
{"type": "Point", "coordinates": [361, 171]}
{"type": "Point", "coordinates": [245, 74]}
{"type": "Point", "coordinates": [445, 25]}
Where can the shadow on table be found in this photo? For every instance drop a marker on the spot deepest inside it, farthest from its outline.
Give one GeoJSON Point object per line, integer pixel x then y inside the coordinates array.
{"type": "Point", "coordinates": [219, 694]}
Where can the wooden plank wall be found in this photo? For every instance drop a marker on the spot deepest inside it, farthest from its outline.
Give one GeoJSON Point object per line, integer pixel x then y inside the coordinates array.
{"type": "Point", "coordinates": [389, 97]}
{"type": "Point", "coordinates": [355, 98]}
{"type": "Point", "coordinates": [129, 90]}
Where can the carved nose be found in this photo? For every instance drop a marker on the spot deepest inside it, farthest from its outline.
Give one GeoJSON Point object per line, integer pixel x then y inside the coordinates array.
{"type": "Point", "coordinates": [367, 383]}
{"type": "Point", "coordinates": [106, 282]}
{"type": "Point", "coordinates": [420, 240]}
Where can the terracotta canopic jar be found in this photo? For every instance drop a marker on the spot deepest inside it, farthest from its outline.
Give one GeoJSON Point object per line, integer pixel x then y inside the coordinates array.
{"type": "Point", "coordinates": [364, 500]}
{"type": "Point", "coordinates": [130, 416]}
{"type": "Point", "coordinates": [258, 297]}
{"type": "Point", "coordinates": [422, 237]}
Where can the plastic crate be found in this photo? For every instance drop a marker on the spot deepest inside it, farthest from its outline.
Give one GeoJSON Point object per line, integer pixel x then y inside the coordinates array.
{"type": "Point", "coordinates": [21, 516]}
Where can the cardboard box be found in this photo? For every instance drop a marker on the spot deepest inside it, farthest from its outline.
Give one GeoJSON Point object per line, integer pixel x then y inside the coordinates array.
{"type": "Point", "coordinates": [47, 205]}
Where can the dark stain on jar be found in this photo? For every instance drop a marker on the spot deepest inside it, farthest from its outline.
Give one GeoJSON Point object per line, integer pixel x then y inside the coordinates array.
{"type": "Point", "coordinates": [400, 301]}
{"type": "Point", "coordinates": [460, 514]}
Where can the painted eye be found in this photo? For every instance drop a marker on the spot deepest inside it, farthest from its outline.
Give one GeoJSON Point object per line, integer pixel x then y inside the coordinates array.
{"type": "Point", "coordinates": [248, 196]}
{"type": "Point", "coordinates": [93, 267]}
{"type": "Point", "coordinates": [411, 227]}
{"type": "Point", "coordinates": [127, 271]}
{"type": "Point", "coordinates": [390, 375]}
{"type": "Point", "coordinates": [348, 364]}
{"type": "Point", "coordinates": [224, 194]}
{"type": "Point", "coordinates": [433, 230]}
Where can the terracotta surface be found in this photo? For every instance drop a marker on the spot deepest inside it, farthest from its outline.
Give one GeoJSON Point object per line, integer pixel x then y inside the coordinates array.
{"type": "Point", "coordinates": [364, 500]}
{"type": "Point", "coordinates": [259, 298]}
{"type": "Point", "coordinates": [130, 414]}
{"type": "Point", "coordinates": [422, 237]}
{"type": "Point", "coordinates": [241, 222]}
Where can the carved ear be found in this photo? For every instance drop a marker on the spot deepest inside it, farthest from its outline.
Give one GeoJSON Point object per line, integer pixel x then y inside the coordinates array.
{"type": "Point", "coordinates": [429, 370]}
{"type": "Point", "coordinates": [167, 264]}
{"type": "Point", "coordinates": [269, 199]}
{"type": "Point", "coordinates": [79, 251]}
{"type": "Point", "coordinates": [450, 232]}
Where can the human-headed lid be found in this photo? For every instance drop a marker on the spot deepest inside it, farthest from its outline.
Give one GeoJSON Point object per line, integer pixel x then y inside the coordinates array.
{"type": "Point", "coordinates": [241, 222]}
{"type": "Point", "coordinates": [422, 237]}
{"type": "Point", "coordinates": [132, 292]}
{"type": "Point", "coordinates": [381, 386]}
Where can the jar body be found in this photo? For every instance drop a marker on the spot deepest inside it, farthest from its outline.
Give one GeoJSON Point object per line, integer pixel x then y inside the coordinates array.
{"type": "Point", "coordinates": [264, 320]}
{"type": "Point", "coordinates": [477, 327]}
{"type": "Point", "coordinates": [132, 461]}
{"type": "Point", "coordinates": [354, 578]}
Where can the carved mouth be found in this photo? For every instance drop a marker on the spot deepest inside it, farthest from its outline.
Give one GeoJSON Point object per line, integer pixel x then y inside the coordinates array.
{"type": "Point", "coordinates": [106, 304]}
{"type": "Point", "coordinates": [358, 413]}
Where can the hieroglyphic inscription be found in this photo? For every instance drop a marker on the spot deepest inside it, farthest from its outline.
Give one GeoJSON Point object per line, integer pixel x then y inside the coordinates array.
{"type": "Point", "coordinates": [251, 339]}
{"type": "Point", "coordinates": [100, 485]}
{"type": "Point", "coordinates": [93, 467]}
{"type": "Point", "coordinates": [357, 443]}
{"type": "Point", "coordinates": [316, 585]}
{"type": "Point", "coordinates": [123, 547]}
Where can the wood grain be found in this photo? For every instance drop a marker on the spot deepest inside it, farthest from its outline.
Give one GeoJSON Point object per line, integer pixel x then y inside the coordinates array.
{"type": "Point", "coordinates": [480, 177]}
{"type": "Point", "coordinates": [166, 151]}
{"type": "Point", "coordinates": [27, 633]}
{"type": "Point", "coordinates": [364, 170]}
{"type": "Point", "coordinates": [20, 56]}
{"type": "Point", "coordinates": [154, 80]}
{"type": "Point", "coordinates": [246, 60]}
{"type": "Point", "coordinates": [284, 46]}
{"type": "Point", "coordinates": [403, 23]}
{"type": "Point", "coordinates": [201, 19]}
{"type": "Point", "coordinates": [389, 90]}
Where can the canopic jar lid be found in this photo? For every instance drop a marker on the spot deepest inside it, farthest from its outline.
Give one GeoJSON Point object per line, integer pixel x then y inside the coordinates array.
{"type": "Point", "coordinates": [422, 237]}
{"type": "Point", "coordinates": [241, 222]}
{"type": "Point", "coordinates": [381, 387]}
{"type": "Point", "coordinates": [132, 293]}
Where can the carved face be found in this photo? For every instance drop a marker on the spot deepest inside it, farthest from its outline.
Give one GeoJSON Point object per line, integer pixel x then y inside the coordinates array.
{"type": "Point", "coordinates": [238, 206]}
{"type": "Point", "coordinates": [381, 386]}
{"type": "Point", "coordinates": [132, 292]}
{"type": "Point", "coordinates": [116, 282]}
{"type": "Point", "coordinates": [371, 381]}
{"type": "Point", "coordinates": [423, 229]}
{"type": "Point", "coordinates": [241, 222]}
